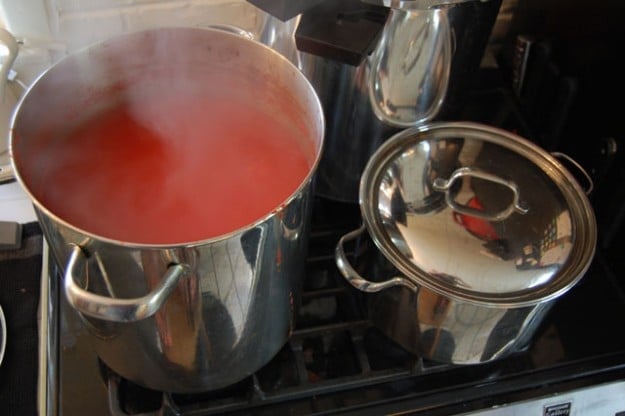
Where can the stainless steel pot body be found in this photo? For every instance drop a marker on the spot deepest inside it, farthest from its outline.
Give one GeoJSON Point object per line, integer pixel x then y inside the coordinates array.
{"type": "Point", "coordinates": [185, 317]}
{"type": "Point", "coordinates": [418, 71]}
{"type": "Point", "coordinates": [443, 329]}
{"type": "Point", "coordinates": [451, 331]}
{"type": "Point", "coordinates": [475, 233]}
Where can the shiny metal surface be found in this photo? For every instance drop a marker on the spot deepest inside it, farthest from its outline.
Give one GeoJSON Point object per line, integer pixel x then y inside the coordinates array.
{"type": "Point", "coordinates": [3, 334]}
{"type": "Point", "coordinates": [542, 249]}
{"type": "Point", "coordinates": [415, 74]}
{"type": "Point", "coordinates": [278, 35]}
{"type": "Point", "coordinates": [354, 278]}
{"type": "Point", "coordinates": [109, 307]}
{"type": "Point", "coordinates": [446, 330]}
{"type": "Point", "coordinates": [233, 308]}
{"type": "Point", "coordinates": [223, 320]}
{"type": "Point", "coordinates": [446, 186]}
{"type": "Point", "coordinates": [353, 132]}
{"type": "Point", "coordinates": [48, 351]}
{"type": "Point", "coordinates": [413, 4]}
{"type": "Point", "coordinates": [433, 325]}
{"type": "Point", "coordinates": [476, 286]}
{"type": "Point", "coordinates": [410, 66]}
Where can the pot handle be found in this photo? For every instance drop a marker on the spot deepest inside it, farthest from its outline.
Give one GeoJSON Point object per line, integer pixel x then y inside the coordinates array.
{"type": "Point", "coordinates": [112, 309]}
{"type": "Point", "coordinates": [579, 167]}
{"type": "Point", "coordinates": [443, 185]}
{"type": "Point", "coordinates": [356, 279]}
{"type": "Point", "coordinates": [401, 93]}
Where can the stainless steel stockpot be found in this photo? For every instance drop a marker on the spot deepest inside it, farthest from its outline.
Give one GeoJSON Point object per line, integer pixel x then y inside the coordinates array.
{"type": "Point", "coordinates": [418, 71]}
{"type": "Point", "coordinates": [479, 231]}
{"type": "Point", "coordinates": [193, 316]}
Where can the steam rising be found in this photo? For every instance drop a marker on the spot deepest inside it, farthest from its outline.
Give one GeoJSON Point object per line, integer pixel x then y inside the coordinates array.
{"type": "Point", "coordinates": [170, 139]}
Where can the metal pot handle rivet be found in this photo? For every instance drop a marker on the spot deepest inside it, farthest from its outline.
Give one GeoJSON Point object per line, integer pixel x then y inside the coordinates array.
{"type": "Point", "coordinates": [443, 185]}
{"type": "Point", "coordinates": [354, 278]}
{"type": "Point", "coordinates": [113, 309]}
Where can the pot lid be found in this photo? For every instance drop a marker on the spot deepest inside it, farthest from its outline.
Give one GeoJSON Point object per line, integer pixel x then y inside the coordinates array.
{"type": "Point", "coordinates": [478, 214]}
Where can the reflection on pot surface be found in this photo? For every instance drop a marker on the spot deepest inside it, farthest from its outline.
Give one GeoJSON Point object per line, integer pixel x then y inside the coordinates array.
{"type": "Point", "coordinates": [444, 330]}
{"type": "Point", "coordinates": [414, 214]}
{"type": "Point", "coordinates": [224, 313]}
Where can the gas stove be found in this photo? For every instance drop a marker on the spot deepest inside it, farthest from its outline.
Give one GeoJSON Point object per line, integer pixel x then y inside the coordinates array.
{"type": "Point", "coordinates": [337, 362]}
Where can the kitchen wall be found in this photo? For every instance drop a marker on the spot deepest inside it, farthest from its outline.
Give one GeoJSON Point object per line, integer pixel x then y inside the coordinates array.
{"type": "Point", "coordinates": [48, 29]}
{"type": "Point", "coordinates": [55, 27]}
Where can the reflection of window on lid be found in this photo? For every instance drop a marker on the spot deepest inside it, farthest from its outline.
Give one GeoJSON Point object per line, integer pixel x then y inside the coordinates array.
{"type": "Point", "coordinates": [554, 247]}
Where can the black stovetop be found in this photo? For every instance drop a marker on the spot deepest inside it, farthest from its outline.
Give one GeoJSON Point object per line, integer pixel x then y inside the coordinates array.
{"type": "Point", "coordinates": [336, 361]}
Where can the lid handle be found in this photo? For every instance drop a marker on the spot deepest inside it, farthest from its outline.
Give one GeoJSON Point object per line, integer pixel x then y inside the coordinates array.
{"type": "Point", "coordinates": [445, 186]}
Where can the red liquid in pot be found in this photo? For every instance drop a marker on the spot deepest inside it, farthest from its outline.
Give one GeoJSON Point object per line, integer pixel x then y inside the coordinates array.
{"type": "Point", "coordinates": [173, 168]}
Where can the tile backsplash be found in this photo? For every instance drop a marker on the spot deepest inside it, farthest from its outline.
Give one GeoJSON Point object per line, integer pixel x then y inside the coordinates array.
{"type": "Point", "coordinates": [83, 21]}
{"type": "Point", "coordinates": [49, 29]}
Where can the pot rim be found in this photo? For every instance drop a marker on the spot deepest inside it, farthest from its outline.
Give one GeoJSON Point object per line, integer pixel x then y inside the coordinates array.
{"type": "Point", "coordinates": [583, 217]}
{"type": "Point", "coordinates": [42, 209]}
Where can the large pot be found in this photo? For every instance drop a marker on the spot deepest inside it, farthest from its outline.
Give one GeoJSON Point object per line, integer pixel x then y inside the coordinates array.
{"type": "Point", "coordinates": [416, 70]}
{"type": "Point", "coordinates": [480, 232]}
{"type": "Point", "coordinates": [194, 315]}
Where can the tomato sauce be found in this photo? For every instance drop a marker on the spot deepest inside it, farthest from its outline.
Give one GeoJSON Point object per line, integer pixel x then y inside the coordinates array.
{"type": "Point", "coordinates": [184, 166]}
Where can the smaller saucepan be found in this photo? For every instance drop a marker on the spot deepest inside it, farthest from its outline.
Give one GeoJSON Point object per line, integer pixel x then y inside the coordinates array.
{"type": "Point", "coordinates": [479, 232]}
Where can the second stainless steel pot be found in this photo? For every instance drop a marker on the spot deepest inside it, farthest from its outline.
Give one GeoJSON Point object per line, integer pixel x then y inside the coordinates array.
{"type": "Point", "coordinates": [191, 316]}
{"type": "Point", "coordinates": [418, 70]}
{"type": "Point", "coordinates": [479, 230]}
